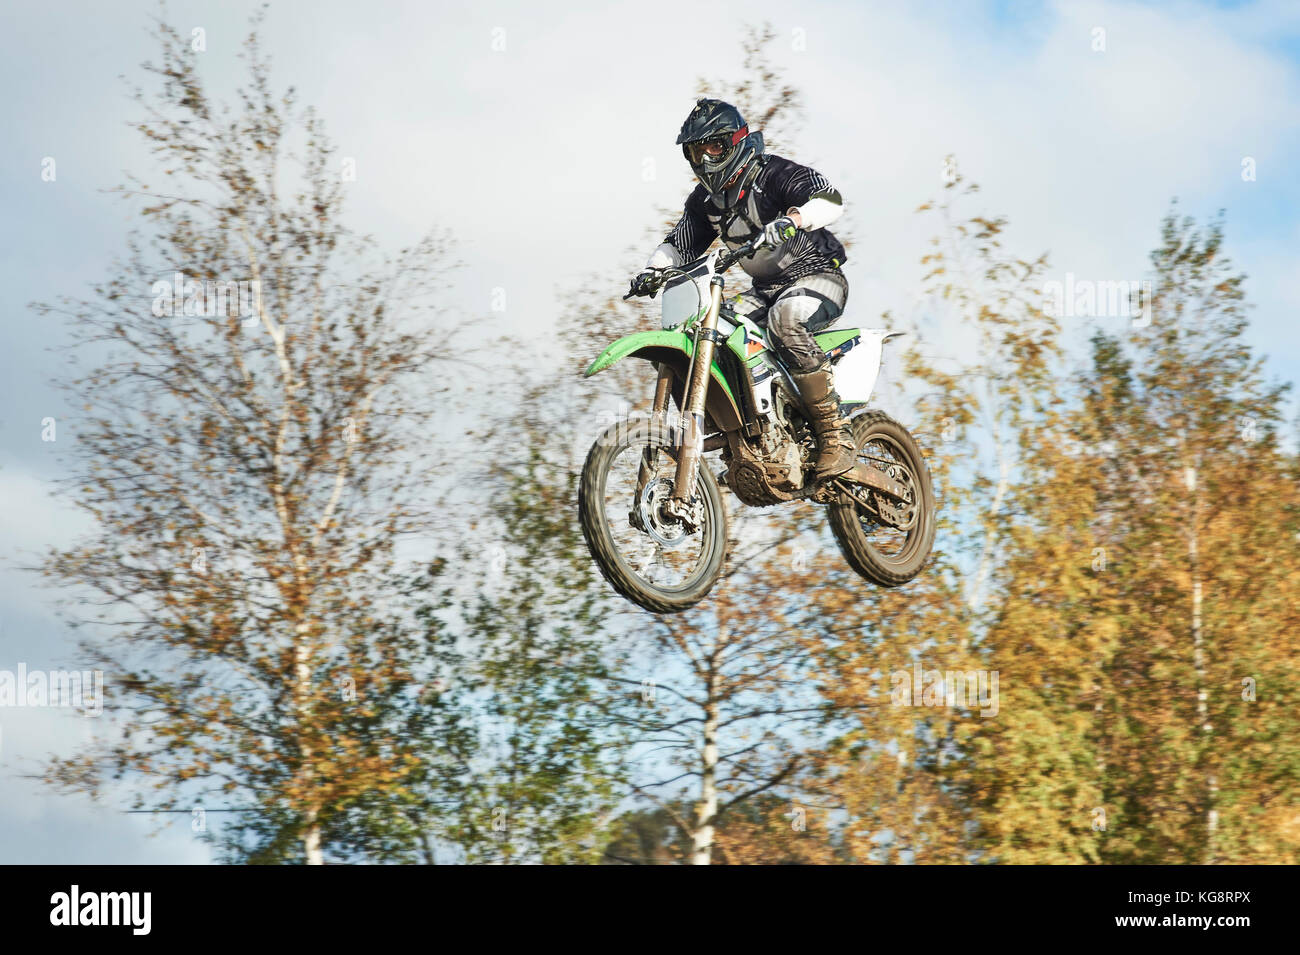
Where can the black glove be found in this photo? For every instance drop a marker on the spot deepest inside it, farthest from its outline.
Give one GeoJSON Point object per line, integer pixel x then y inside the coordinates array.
{"type": "Point", "coordinates": [643, 283]}
{"type": "Point", "coordinates": [778, 230]}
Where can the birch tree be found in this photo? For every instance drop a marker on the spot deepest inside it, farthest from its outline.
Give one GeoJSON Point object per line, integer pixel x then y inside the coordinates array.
{"type": "Point", "coordinates": [1200, 759]}
{"type": "Point", "coordinates": [1147, 599]}
{"type": "Point", "coordinates": [250, 472]}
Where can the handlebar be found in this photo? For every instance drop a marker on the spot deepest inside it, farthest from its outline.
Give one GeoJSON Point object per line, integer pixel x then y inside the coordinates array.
{"type": "Point", "coordinates": [727, 259]}
{"type": "Point", "coordinates": [724, 261]}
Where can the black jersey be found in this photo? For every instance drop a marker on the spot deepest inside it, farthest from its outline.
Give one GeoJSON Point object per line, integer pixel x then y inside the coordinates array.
{"type": "Point", "coordinates": [781, 184]}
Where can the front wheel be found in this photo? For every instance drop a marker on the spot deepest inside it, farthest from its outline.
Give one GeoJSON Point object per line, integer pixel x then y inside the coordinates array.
{"type": "Point", "coordinates": [651, 558]}
{"type": "Point", "coordinates": [886, 542]}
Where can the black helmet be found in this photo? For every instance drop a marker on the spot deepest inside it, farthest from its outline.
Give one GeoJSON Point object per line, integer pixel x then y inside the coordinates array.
{"type": "Point", "coordinates": [723, 153]}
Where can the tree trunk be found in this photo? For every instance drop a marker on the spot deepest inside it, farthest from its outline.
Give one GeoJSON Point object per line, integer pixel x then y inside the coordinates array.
{"type": "Point", "coordinates": [302, 692]}
{"type": "Point", "coordinates": [311, 840]}
{"type": "Point", "coordinates": [702, 851]}
{"type": "Point", "coordinates": [1198, 661]}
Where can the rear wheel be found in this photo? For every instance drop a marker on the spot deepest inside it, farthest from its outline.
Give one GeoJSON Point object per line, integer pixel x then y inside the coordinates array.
{"type": "Point", "coordinates": [650, 557]}
{"type": "Point", "coordinates": [885, 541]}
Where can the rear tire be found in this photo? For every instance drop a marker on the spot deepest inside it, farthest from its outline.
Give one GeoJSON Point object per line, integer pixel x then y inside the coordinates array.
{"type": "Point", "coordinates": [594, 517]}
{"type": "Point", "coordinates": [850, 523]}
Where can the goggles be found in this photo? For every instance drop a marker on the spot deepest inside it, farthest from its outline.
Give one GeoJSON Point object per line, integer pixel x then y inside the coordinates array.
{"type": "Point", "coordinates": [713, 150]}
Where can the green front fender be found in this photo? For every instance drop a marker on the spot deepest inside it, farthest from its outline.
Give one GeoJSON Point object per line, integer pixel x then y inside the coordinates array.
{"type": "Point", "coordinates": [674, 349]}
{"type": "Point", "coordinates": [630, 345]}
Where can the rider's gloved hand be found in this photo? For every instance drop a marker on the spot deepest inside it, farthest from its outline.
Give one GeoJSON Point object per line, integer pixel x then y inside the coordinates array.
{"type": "Point", "coordinates": [778, 230]}
{"type": "Point", "coordinates": [643, 282]}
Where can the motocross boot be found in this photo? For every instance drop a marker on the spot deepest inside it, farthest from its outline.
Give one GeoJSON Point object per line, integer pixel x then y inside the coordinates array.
{"type": "Point", "coordinates": [836, 452]}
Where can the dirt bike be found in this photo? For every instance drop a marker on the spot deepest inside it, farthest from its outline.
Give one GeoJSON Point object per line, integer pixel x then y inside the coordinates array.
{"type": "Point", "coordinates": [650, 506]}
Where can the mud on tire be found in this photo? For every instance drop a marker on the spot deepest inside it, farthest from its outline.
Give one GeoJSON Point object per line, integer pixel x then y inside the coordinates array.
{"type": "Point", "coordinates": [594, 519]}
{"type": "Point", "coordinates": [854, 529]}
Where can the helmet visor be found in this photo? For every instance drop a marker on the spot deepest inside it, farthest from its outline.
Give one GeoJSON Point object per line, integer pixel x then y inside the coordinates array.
{"type": "Point", "coordinates": [714, 150]}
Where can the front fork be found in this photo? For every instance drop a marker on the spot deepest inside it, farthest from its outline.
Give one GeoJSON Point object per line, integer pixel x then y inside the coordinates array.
{"type": "Point", "coordinates": [697, 388]}
{"type": "Point", "coordinates": [658, 412]}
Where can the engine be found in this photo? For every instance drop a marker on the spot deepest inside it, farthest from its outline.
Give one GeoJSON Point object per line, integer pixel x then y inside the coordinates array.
{"type": "Point", "coordinates": [769, 469]}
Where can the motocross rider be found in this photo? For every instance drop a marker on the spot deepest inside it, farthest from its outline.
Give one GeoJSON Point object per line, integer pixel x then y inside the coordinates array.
{"type": "Point", "coordinates": [798, 287]}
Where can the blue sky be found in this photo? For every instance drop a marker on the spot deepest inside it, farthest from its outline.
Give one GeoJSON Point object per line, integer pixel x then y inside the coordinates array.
{"type": "Point", "coordinates": [533, 155]}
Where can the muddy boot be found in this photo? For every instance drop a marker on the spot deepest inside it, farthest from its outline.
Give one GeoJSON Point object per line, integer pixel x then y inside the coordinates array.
{"type": "Point", "coordinates": [836, 452]}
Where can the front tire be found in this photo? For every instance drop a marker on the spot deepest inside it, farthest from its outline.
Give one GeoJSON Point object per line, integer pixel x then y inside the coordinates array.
{"type": "Point", "coordinates": [885, 554]}
{"type": "Point", "coordinates": [603, 512]}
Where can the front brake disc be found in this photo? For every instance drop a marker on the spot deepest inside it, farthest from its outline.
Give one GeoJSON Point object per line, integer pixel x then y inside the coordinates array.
{"type": "Point", "coordinates": [668, 533]}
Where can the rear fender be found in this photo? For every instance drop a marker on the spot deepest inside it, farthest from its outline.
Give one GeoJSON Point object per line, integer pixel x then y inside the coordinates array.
{"type": "Point", "coordinates": [856, 354]}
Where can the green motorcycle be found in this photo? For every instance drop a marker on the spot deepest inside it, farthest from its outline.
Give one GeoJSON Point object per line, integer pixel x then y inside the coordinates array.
{"type": "Point", "coordinates": [650, 506]}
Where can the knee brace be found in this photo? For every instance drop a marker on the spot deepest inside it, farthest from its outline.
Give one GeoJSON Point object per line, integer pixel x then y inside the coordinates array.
{"type": "Point", "coordinates": [787, 325]}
